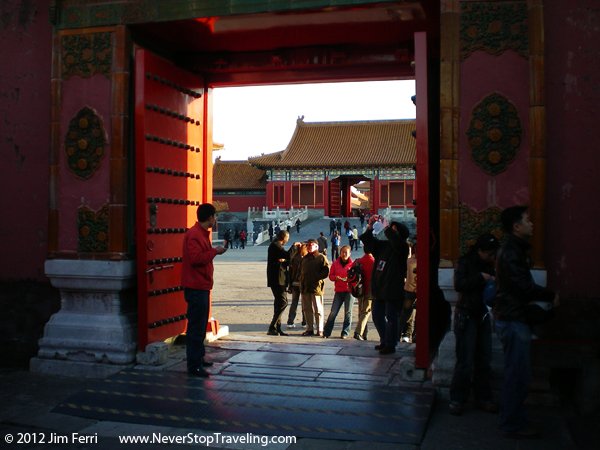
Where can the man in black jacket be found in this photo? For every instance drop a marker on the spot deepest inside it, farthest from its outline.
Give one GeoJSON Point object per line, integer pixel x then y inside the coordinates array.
{"type": "Point", "coordinates": [387, 281]}
{"type": "Point", "coordinates": [277, 263]}
{"type": "Point", "coordinates": [516, 289]}
{"type": "Point", "coordinates": [472, 327]}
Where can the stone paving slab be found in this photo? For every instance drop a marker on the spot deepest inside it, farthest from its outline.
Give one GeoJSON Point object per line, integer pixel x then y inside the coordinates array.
{"type": "Point", "coordinates": [300, 348]}
{"type": "Point", "coordinates": [355, 364]}
{"type": "Point", "coordinates": [270, 358]}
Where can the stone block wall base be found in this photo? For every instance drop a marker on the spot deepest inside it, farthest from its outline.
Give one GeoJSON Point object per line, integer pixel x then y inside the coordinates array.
{"type": "Point", "coordinates": [407, 370]}
{"type": "Point", "coordinates": [74, 369]}
{"type": "Point", "coordinates": [95, 328]}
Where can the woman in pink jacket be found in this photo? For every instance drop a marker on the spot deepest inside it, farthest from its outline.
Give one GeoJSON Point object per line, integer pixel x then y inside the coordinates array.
{"type": "Point", "coordinates": [339, 275]}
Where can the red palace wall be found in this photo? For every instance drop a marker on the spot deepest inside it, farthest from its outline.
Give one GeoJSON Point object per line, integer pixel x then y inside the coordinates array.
{"type": "Point", "coordinates": [572, 103]}
{"type": "Point", "coordinates": [241, 203]}
{"type": "Point", "coordinates": [510, 78]}
{"type": "Point", "coordinates": [25, 58]}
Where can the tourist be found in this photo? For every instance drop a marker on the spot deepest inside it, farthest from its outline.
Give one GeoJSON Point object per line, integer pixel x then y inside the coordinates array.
{"type": "Point", "coordinates": [339, 275]}
{"type": "Point", "coordinates": [197, 281]}
{"type": "Point", "coordinates": [387, 281]}
{"type": "Point", "coordinates": [277, 264]}
{"type": "Point", "coordinates": [472, 327]}
{"type": "Point", "coordinates": [313, 270]}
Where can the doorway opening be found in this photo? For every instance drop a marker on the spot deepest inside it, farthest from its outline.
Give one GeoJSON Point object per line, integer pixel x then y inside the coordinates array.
{"type": "Point", "coordinates": [359, 44]}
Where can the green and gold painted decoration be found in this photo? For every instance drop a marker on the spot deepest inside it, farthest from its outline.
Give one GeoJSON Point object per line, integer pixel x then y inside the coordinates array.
{"type": "Point", "coordinates": [93, 230]}
{"type": "Point", "coordinates": [85, 55]}
{"type": "Point", "coordinates": [85, 143]}
{"type": "Point", "coordinates": [493, 27]}
{"type": "Point", "coordinates": [475, 223]}
{"type": "Point", "coordinates": [494, 134]}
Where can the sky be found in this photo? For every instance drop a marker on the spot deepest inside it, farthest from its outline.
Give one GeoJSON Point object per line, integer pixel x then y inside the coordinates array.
{"type": "Point", "coordinates": [250, 121]}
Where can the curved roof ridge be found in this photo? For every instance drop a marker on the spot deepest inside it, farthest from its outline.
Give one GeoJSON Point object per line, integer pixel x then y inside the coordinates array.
{"type": "Point", "coordinates": [346, 144]}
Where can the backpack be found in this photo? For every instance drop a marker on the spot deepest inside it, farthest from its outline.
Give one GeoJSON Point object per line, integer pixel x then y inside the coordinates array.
{"type": "Point", "coordinates": [356, 280]}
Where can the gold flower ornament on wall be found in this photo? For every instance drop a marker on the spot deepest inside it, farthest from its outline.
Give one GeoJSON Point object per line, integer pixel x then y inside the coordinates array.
{"type": "Point", "coordinates": [494, 134]}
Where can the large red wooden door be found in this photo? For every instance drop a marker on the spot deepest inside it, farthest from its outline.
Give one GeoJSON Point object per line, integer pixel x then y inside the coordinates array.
{"type": "Point", "coordinates": [171, 166]}
{"type": "Point", "coordinates": [334, 198]}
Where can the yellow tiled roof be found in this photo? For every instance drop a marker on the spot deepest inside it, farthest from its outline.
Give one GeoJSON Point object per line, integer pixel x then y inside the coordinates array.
{"type": "Point", "coordinates": [238, 175]}
{"type": "Point", "coordinates": [345, 144]}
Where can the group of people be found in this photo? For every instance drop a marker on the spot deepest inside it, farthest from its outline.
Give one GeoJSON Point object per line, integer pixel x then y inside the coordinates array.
{"type": "Point", "coordinates": [389, 294]}
{"type": "Point", "coordinates": [351, 232]}
{"type": "Point", "coordinates": [302, 269]}
{"type": "Point", "coordinates": [496, 280]}
{"type": "Point", "coordinates": [235, 239]}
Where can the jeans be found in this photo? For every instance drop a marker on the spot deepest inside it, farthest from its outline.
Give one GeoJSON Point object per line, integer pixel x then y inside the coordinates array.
{"type": "Point", "coordinates": [335, 252]}
{"type": "Point", "coordinates": [385, 318]}
{"type": "Point", "coordinates": [516, 343]}
{"type": "Point", "coordinates": [198, 303]}
{"type": "Point", "coordinates": [473, 358]}
{"type": "Point", "coordinates": [347, 300]}
{"type": "Point", "coordinates": [279, 305]}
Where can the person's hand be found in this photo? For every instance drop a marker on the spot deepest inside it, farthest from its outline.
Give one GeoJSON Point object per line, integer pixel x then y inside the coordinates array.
{"type": "Point", "coordinates": [374, 218]}
{"type": "Point", "coordinates": [486, 276]}
{"type": "Point", "coordinates": [220, 250]}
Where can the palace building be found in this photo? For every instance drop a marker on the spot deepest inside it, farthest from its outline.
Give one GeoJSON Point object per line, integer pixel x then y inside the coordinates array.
{"type": "Point", "coordinates": [238, 186]}
{"type": "Point", "coordinates": [341, 167]}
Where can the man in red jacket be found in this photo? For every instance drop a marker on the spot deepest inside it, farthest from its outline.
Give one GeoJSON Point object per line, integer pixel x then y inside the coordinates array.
{"type": "Point", "coordinates": [197, 280]}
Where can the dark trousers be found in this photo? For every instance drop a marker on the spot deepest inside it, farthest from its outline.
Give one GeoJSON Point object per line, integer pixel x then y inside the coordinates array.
{"type": "Point", "coordinates": [279, 305]}
{"type": "Point", "coordinates": [408, 305]}
{"type": "Point", "coordinates": [473, 358]}
{"type": "Point", "coordinates": [197, 315]}
{"type": "Point", "coordinates": [385, 318]}
{"type": "Point", "coordinates": [294, 306]}
{"type": "Point", "coordinates": [516, 343]}
{"type": "Point", "coordinates": [335, 252]}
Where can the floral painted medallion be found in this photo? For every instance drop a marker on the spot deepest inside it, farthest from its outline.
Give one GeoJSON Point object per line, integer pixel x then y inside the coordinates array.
{"type": "Point", "coordinates": [85, 143]}
{"type": "Point", "coordinates": [494, 134]}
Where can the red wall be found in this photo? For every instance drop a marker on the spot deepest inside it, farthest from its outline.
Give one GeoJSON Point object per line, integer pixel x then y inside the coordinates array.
{"type": "Point", "coordinates": [25, 58]}
{"type": "Point", "coordinates": [94, 92]}
{"type": "Point", "coordinates": [481, 75]}
{"type": "Point", "coordinates": [240, 203]}
{"type": "Point", "coordinates": [573, 101]}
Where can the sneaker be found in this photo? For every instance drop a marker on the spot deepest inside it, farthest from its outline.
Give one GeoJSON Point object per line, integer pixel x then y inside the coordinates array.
{"type": "Point", "coordinates": [281, 333]}
{"type": "Point", "coordinates": [291, 325]}
{"type": "Point", "coordinates": [456, 408]}
{"type": "Point", "coordinates": [344, 336]}
{"type": "Point", "coordinates": [358, 337]}
{"type": "Point", "coordinates": [527, 432]}
{"type": "Point", "coordinates": [406, 339]}
{"type": "Point", "coordinates": [308, 333]}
